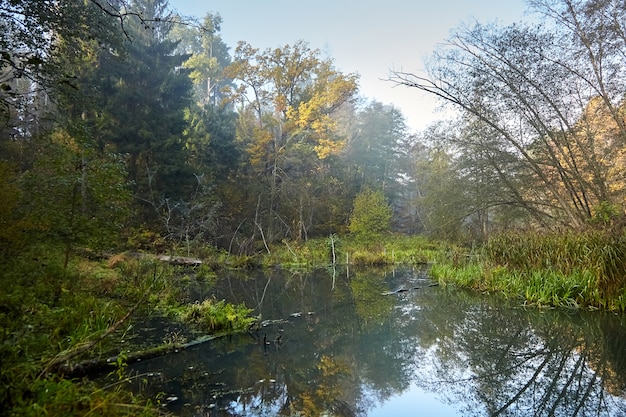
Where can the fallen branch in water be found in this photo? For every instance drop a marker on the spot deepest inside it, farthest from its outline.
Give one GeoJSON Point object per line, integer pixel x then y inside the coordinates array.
{"type": "Point", "coordinates": [399, 290]}
{"type": "Point", "coordinates": [90, 366]}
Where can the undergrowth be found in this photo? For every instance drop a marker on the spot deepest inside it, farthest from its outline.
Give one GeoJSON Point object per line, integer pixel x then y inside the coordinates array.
{"type": "Point", "coordinates": [49, 312]}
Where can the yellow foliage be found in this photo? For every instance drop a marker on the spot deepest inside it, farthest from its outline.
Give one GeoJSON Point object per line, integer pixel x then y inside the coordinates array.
{"type": "Point", "coordinates": [261, 148]}
{"type": "Point", "coordinates": [63, 138]}
{"type": "Point", "coordinates": [326, 148]}
{"type": "Point", "coordinates": [315, 114]}
{"type": "Point", "coordinates": [592, 157]}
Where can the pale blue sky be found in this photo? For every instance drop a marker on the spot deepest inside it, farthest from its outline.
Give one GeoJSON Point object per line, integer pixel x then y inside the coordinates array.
{"type": "Point", "coordinates": [368, 37]}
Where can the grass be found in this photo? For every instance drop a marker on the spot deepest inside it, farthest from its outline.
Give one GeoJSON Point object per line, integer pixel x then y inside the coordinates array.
{"type": "Point", "coordinates": [217, 316]}
{"type": "Point", "coordinates": [48, 311]}
{"type": "Point", "coordinates": [562, 270]}
{"type": "Point", "coordinates": [387, 250]}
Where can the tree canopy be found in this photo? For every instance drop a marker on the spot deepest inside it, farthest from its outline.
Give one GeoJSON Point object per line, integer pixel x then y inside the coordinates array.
{"type": "Point", "coordinates": [254, 146]}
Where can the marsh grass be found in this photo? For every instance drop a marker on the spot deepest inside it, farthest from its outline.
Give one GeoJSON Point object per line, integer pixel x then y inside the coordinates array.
{"type": "Point", "coordinates": [566, 270]}
{"type": "Point", "coordinates": [388, 250]}
{"type": "Point", "coordinates": [48, 311]}
{"type": "Point", "coordinates": [54, 396]}
{"type": "Point", "coordinates": [217, 316]}
{"type": "Point", "coordinates": [599, 253]}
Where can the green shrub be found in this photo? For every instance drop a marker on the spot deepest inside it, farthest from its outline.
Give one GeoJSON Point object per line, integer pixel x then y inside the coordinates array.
{"type": "Point", "coordinates": [371, 216]}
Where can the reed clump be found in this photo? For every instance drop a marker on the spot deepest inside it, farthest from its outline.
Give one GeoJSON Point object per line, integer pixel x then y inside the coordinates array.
{"type": "Point", "coordinates": [217, 316]}
{"type": "Point", "coordinates": [570, 269]}
{"type": "Point", "coordinates": [601, 254]}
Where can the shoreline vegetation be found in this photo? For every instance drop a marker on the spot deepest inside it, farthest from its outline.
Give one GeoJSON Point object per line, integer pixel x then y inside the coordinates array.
{"type": "Point", "coordinates": [54, 316]}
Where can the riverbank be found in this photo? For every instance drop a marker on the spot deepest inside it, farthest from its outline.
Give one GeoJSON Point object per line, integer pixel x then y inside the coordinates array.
{"type": "Point", "coordinates": [55, 319]}
{"type": "Point", "coordinates": [567, 269]}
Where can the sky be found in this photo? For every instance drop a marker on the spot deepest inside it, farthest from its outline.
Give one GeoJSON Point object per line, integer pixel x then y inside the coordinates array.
{"type": "Point", "coordinates": [367, 37]}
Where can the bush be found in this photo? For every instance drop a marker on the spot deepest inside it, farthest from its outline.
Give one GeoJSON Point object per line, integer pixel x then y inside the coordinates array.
{"type": "Point", "coordinates": [371, 215]}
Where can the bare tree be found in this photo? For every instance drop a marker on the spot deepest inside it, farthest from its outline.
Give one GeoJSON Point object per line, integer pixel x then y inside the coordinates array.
{"type": "Point", "coordinates": [530, 88]}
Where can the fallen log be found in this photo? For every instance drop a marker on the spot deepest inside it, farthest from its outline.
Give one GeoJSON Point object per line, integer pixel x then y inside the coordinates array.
{"type": "Point", "coordinates": [56, 363]}
{"type": "Point", "coordinates": [180, 260]}
{"type": "Point", "coordinates": [92, 366]}
{"type": "Point", "coordinates": [404, 289]}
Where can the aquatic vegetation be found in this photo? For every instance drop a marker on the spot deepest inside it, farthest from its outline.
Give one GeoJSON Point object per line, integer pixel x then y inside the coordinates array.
{"type": "Point", "coordinates": [600, 253]}
{"type": "Point", "coordinates": [55, 396]}
{"type": "Point", "coordinates": [566, 270]}
{"type": "Point", "coordinates": [48, 312]}
{"type": "Point", "coordinates": [55, 318]}
{"type": "Point", "coordinates": [216, 316]}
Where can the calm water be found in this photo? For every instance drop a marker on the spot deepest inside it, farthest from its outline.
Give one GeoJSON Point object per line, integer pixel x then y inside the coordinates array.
{"type": "Point", "coordinates": [340, 347]}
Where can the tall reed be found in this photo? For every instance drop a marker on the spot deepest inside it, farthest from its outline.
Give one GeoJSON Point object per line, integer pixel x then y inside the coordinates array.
{"type": "Point", "coordinates": [599, 253]}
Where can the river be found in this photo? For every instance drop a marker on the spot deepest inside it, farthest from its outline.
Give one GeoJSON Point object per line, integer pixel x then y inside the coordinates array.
{"type": "Point", "coordinates": [346, 343]}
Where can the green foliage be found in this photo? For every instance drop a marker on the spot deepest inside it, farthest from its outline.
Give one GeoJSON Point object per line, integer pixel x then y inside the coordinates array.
{"type": "Point", "coordinates": [47, 310]}
{"type": "Point", "coordinates": [568, 270]}
{"type": "Point", "coordinates": [371, 216]}
{"type": "Point", "coordinates": [470, 276]}
{"type": "Point", "coordinates": [145, 239]}
{"type": "Point", "coordinates": [13, 227]}
{"type": "Point", "coordinates": [601, 253]}
{"type": "Point", "coordinates": [32, 31]}
{"type": "Point", "coordinates": [74, 195]}
{"type": "Point", "coordinates": [605, 214]}
{"type": "Point", "coordinates": [210, 141]}
{"type": "Point", "coordinates": [217, 316]}
{"type": "Point", "coordinates": [390, 249]}
{"type": "Point", "coordinates": [443, 201]}
{"type": "Point", "coordinates": [142, 95]}
{"type": "Point", "coordinates": [53, 396]}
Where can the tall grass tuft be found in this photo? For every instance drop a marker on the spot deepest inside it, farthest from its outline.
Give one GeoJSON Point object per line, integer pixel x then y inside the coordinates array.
{"type": "Point", "coordinates": [217, 316]}
{"type": "Point", "coordinates": [599, 253]}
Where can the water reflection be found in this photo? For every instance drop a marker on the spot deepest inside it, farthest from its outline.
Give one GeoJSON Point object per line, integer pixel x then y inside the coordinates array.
{"type": "Point", "coordinates": [340, 347]}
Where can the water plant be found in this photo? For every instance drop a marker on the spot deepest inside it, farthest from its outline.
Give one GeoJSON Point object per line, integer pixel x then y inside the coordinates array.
{"type": "Point", "coordinates": [598, 252]}
{"type": "Point", "coordinates": [216, 316]}
{"type": "Point", "coordinates": [387, 250]}
{"type": "Point", "coordinates": [567, 269]}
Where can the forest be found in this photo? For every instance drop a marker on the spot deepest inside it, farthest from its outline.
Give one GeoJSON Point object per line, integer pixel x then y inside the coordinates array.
{"type": "Point", "coordinates": [127, 128]}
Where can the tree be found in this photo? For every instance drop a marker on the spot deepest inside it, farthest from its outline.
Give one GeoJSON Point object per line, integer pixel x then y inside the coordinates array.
{"type": "Point", "coordinates": [371, 215]}
{"type": "Point", "coordinates": [530, 87]}
{"type": "Point", "coordinates": [76, 195]}
{"type": "Point", "coordinates": [30, 34]}
{"type": "Point", "coordinates": [144, 93]}
{"type": "Point", "coordinates": [442, 200]}
{"type": "Point", "coordinates": [208, 57]}
{"type": "Point", "coordinates": [286, 99]}
{"type": "Point", "coordinates": [378, 152]}
{"type": "Point", "coordinates": [30, 31]}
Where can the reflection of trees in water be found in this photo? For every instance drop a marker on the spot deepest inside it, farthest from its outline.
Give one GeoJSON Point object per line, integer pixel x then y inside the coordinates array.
{"type": "Point", "coordinates": [360, 348]}
{"type": "Point", "coordinates": [529, 362]}
{"type": "Point", "coordinates": [325, 365]}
